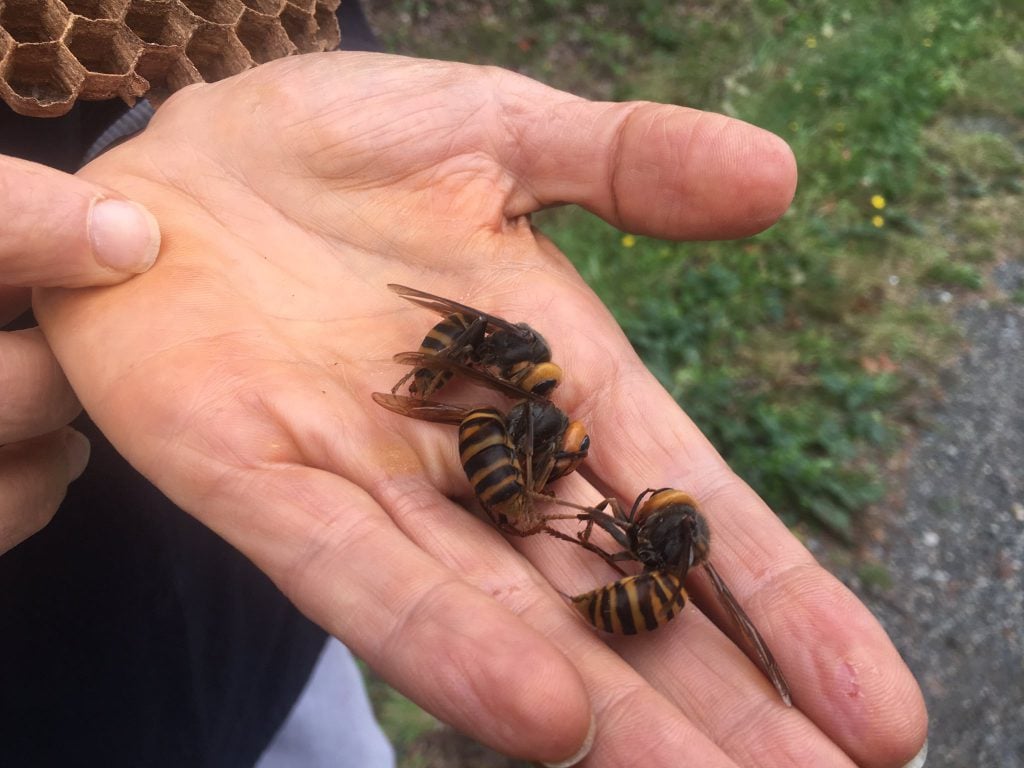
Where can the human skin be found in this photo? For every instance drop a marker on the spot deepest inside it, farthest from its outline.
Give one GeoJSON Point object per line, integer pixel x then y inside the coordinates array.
{"type": "Point", "coordinates": [57, 230]}
{"type": "Point", "coordinates": [236, 374]}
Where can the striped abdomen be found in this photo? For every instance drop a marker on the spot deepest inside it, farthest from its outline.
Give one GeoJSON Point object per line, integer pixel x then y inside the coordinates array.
{"type": "Point", "coordinates": [489, 458]}
{"type": "Point", "coordinates": [456, 330]}
{"type": "Point", "coordinates": [537, 378]}
{"type": "Point", "coordinates": [634, 604]}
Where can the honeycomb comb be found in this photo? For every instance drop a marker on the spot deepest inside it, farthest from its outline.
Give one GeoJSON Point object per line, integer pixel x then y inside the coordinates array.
{"type": "Point", "coordinates": [54, 52]}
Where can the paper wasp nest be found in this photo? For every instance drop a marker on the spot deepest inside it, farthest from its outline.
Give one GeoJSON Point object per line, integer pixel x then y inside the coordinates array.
{"type": "Point", "coordinates": [53, 52]}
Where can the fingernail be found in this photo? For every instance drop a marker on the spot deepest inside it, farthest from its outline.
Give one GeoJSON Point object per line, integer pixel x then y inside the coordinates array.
{"type": "Point", "coordinates": [582, 752]}
{"type": "Point", "coordinates": [77, 448]}
{"type": "Point", "coordinates": [918, 761]}
{"type": "Point", "coordinates": [124, 235]}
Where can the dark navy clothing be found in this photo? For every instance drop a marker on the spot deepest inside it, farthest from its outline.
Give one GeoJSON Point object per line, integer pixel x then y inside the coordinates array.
{"type": "Point", "coordinates": [130, 635]}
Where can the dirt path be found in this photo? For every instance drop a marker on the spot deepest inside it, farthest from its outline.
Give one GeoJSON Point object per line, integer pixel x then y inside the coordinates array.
{"type": "Point", "coordinates": [955, 552]}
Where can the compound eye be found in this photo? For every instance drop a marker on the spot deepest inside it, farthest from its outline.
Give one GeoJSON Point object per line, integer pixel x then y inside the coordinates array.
{"type": "Point", "coordinates": [576, 439]}
{"type": "Point", "coordinates": [544, 389]}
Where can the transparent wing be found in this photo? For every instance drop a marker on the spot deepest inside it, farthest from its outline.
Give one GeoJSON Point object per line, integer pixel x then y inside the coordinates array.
{"type": "Point", "coordinates": [750, 633]}
{"type": "Point", "coordinates": [424, 410]}
{"type": "Point", "coordinates": [447, 307]}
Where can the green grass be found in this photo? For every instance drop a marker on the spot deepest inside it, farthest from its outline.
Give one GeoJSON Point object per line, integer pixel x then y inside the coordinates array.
{"type": "Point", "coordinates": [875, 576]}
{"type": "Point", "coordinates": [801, 352]}
{"type": "Point", "coordinates": [402, 720]}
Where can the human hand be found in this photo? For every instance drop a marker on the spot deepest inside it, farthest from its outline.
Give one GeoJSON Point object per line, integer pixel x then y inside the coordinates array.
{"type": "Point", "coordinates": [56, 231]}
{"type": "Point", "coordinates": [237, 376]}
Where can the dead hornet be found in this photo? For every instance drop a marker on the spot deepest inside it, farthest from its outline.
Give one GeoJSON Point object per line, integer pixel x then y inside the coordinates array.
{"type": "Point", "coordinates": [509, 458]}
{"type": "Point", "coordinates": [668, 535]}
{"type": "Point", "coordinates": [513, 352]}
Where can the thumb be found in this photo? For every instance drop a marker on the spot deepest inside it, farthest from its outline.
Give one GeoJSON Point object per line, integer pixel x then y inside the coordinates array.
{"type": "Point", "coordinates": [60, 230]}
{"type": "Point", "coordinates": [651, 169]}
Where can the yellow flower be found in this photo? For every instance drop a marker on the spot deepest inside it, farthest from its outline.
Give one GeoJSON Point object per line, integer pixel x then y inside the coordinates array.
{"type": "Point", "coordinates": [628, 241]}
{"type": "Point", "coordinates": [927, 42]}
{"type": "Point", "coordinates": [811, 41]}
{"type": "Point", "coordinates": [878, 221]}
{"type": "Point", "coordinates": [877, 202]}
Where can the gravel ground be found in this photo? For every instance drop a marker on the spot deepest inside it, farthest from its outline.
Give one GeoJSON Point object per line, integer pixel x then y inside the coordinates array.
{"type": "Point", "coordinates": [955, 551]}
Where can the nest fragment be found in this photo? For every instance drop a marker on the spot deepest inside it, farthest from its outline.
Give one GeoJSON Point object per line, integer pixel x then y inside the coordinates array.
{"type": "Point", "coordinates": [54, 52]}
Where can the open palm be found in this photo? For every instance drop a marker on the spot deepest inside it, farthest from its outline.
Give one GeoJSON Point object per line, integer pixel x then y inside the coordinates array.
{"type": "Point", "coordinates": [237, 374]}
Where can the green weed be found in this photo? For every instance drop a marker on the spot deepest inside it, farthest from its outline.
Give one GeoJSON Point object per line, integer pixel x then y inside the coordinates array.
{"type": "Point", "coordinates": [875, 576]}
{"type": "Point", "coordinates": [402, 720]}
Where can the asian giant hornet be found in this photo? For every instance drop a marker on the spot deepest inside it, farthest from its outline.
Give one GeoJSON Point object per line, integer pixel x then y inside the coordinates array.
{"type": "Point", "coordinates": [514, 352]}
{"type": "Point", "coordinates": [668, 535]}
{"type": "Point", "coordinates": [509, 458]}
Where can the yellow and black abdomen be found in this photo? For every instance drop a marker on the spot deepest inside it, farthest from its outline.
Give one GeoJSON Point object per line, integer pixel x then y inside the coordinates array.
{"type": "Point", "coordinates": [457, 333]}
{"type": "Point", "coordinates": [634, 604]}
{"type": "Point", "coordinates": [489, 458]}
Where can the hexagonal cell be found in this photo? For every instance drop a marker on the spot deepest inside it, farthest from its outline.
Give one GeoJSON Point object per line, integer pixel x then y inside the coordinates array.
{"type": "Point", "coordinates": [269, 7]}
{"type": "Point", "coordinates": [183, 72]}
{"type": "Point", "coordinates": [157, 61]}
{"type": "Point", "coordinates": [217, 11]}
{"type": "Point", "coordinates": [300, 26]}
{"type": "Point", "coordinates": [40, 79]}
{"type": "Point", "coordinates": [102, 46]}
{"type": "Point", "coordinates": [159, 22]}
{"type": "Point", "coordinates": [29, 21]}
{"type": "Point", "coordinates": [263, 37]}
{"type": "Point", "coordinates": [97, 9]}
{"type": "Point", "coordinates": [98, 85]}
{"type": "Point", "coordinates": [216, 52]}
{"type": "Point", "coordinates": [327, 32]}
{"type": "Point", "coordinates": [304, 6]}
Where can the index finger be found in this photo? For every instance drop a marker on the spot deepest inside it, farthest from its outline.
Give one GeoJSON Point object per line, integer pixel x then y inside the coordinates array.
{"type": "Point", "coordinates": [60, 230]}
